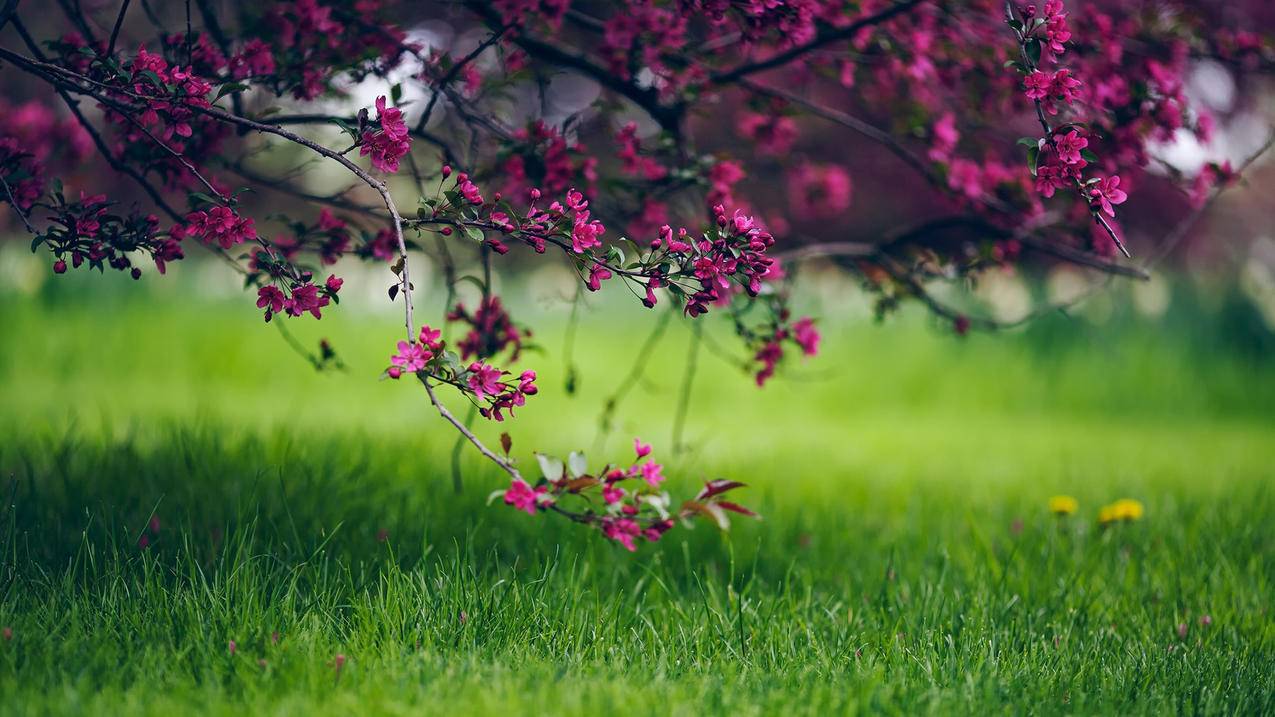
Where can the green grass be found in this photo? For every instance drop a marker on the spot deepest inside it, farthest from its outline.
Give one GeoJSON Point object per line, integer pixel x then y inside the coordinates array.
{"type": "Point", "coordinates": [906, 562]}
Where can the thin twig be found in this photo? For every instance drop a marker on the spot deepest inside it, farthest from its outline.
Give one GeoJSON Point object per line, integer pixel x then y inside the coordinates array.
{"type": "Point", "coordinates": [505, 465]}
{"type": "Point", "coordinates": [841, 33]}
{"type": "Point", "coordinates": [115, 31]}
{"type": "Point", "coordinates": [21, 214]}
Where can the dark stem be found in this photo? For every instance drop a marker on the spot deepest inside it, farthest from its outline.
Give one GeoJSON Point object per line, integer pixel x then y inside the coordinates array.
{"type": "Point", "coordinates": [115, 31]}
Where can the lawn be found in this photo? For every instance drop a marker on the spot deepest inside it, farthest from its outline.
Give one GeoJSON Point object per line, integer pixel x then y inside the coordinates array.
{"type": "Point", "coordinates": [906, 563]}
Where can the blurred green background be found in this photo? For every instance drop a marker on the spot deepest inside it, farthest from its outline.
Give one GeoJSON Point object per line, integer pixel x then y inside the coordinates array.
{"type": "Point", "coordinates": [906, 560]}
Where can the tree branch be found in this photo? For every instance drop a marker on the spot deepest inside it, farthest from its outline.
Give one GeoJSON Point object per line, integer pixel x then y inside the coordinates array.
{"type": "Point", "coordinates": [823, 38]}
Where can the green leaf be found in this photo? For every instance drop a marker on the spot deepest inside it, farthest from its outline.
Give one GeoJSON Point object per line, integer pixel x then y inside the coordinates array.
{"type": "Point", "coordinates": [549, 466]}
{"type": "Point", "coordinates": [1033, 51]}
{"type": "Point", "coordinates": [578, 464]}
{"type": "Point", "coordinates": [475, 234]}
{"type": "Point", "coordinates": [203, 198]}
{"type": "Point", "coordinates": [228, 88]}
{"type": "Point", "coordinates": [1033, 155]}
{"type": "Point", "coordinates": [154, 79]}
{"type": "Point", "coordinates": [1089, 156]}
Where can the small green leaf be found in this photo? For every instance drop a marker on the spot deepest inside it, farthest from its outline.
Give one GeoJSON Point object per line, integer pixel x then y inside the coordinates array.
{"type": "Point", "coordinates": [578, 464]}
{"type": "Point", "coordinates": [549, 466]}
{"type": "Point", "coordinates": [228, 88]}
{"type": "Point", "coordinates": [1033, 51]}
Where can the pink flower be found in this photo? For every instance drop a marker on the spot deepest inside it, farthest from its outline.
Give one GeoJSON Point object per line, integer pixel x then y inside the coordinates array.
{"type": "Point", "coordinates": [411, 357]}
{"type": "Point", "coordinates": [1069, 147]}
{"type": "Point", "coordinates": [521, 496]}
{"type": "Point", "coordinates": [468, 189]}
{"type": "Point", "coordinates": [597, 275]}
{"type": "Point", "coordinates": [1064, 86]}
{"type": "Point", "coordinates": [641, 449]}
{"type": "Point", "coordinates": [1106, 192]}
{"type": "Point", "coordinates": [819, 191]}
{"type": "Point", "coordinates": [657, 530]}
{"type": "Point", "coordinates": [270, 299]}
{"type": "Point", "coordinates": [1049, 179]}
{"type": "Point", "coordinates": [431, 337]}
{"type": "Point", "coordinates": [334, 283]}
{"type": "Point", "coordinates": [944, 138]}
{"type": "Point", "coordinates": [306, 297]}
{"type": "Point", "coordinates": [388, 144]}
{"type": "Point", "coordinates": [622, 531]}
{"type": "Point", "coordinates": [585, 233]}
{"type": "Point", "coordinates": [769, 355]}
{"type": "Point", "coordinates": [220, 225]}
{"type": "Point", "coordinates": [255, 60]}
{"type": "Point", "coordinates": [806, 335]}
{"type": "Point", "coordinates": [612, 493]}
{"type": "Point", "coordinates": [483, 380]}
{"type": "Point", "coordinates": [1037, 85]}
{"type": "Point", "coordinates": [527, 383]}
{"type": "Point", "coordinates": [652, 473]}
{"type": "Point", "coordinates": [964, 177]}
{"type": "Point", "coordinates": [774, 133]}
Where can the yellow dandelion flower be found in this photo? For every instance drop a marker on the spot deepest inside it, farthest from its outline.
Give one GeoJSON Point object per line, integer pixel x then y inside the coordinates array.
{"type": "Point", "coordinates": [1063, 505]}
{"type": "Point", "coordinates": [1127, 509]}
{"type": "Point", "coordinates": [1106, 515]}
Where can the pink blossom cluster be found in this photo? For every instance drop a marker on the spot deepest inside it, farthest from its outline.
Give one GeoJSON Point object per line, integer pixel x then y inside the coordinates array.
{"type": "Point", "coordinates": [1052, 88]}
{"type": "Point", "coordinates": [154, 106]}
{"type": "Point", "coordinates": [488, 386]}
{"type": "Point", "coordinates": [540, 156]}
{"type": "Point", "coordinates": [632, 160]}
{"type": "Point", "coordinates": [803, 333]}
{"type": "Point", "coordinates": [312, 42]}
{"type": "Point", "coordinates": [1054, 29]}
{"type": "Point", "coordinates": [329, 237]}
{"type": "Point", "coordinates": [774, 133]}
{"type": "Point", "coordinates": [633, 505]}
{"type": "Point", "coordinates": [491, 330]}
{"type": "Point", "coordinates": [1062, 156]}
{"type": "Point", "coordinates": [218, 225]}
{"type": "Point", "coordinates": [727, 261]}
{"type": "Point", "coordinates": [735, 250]}
{"type": "Point", "coordinates": [819, 191]}
{"type": "Point", "coordinates": [652, 35]}
{"type": "Point", "coordinates": [89, 232]}
{"type": "Point", "coordinates": [297, 298]}
{"type": "Point", "coordinates": [389, 143]}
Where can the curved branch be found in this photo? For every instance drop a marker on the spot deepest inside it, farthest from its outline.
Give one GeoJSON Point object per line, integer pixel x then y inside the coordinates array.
{"type": "Point", "coordinates": [824, 38]}
{"type": "Point", "coordinates": [504, 464]}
